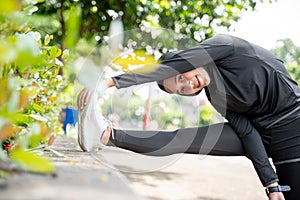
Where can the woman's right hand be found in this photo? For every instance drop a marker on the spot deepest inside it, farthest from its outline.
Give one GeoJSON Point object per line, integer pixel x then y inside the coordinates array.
{"type": "Point", "coordinates": [83, 98]}
{"type": "Point", "coordinates": [110, 82]}
{"type": "Point", "coordinates": [84, 95]}
{"type": "Point", "coordinates": [276, 196]}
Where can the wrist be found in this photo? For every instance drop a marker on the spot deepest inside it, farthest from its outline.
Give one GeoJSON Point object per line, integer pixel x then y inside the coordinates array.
{"type": "Point", "coordinates": [272, 184]}
{"type": "Point", "coordinates": [277, 188]}
{"type": "Point", "coordinates": [110, 82]}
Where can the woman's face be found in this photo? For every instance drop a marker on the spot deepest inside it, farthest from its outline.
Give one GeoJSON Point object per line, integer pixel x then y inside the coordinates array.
{"type": "Point", "coordinates": [187, 83]}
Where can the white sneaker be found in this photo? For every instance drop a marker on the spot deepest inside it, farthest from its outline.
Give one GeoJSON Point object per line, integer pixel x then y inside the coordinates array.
{"type": "Point", "coordinates": [91, 126]}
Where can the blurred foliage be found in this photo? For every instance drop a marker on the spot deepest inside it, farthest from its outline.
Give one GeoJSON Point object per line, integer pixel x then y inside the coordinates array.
{"type": "Point", "coordinates": [31, 88]}
{"type": "Point", "coordinates": [166, 112]}
{"type": "Point", "coordinates": [290, 54]}
{"type": "Point", "coordinates": [196, 19]}
{"type": "Point", "coordinates": [206, 115]}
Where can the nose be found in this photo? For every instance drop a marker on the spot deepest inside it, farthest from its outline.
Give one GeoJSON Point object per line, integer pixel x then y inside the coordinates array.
{"type": "Point", "coordinates": [185, 83]}
{"type": "Point", "coordinates": [191, 83]}
{"type": "Point", "coordinates": [188, 85]}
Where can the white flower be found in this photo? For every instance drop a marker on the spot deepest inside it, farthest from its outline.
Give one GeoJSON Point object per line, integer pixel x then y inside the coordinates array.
{"type": "Point", "coordinates": [36, 75]}
{"type": "Point", "coordinates": [58, 62]}
{"type": "Point", "coordinates": [28, 43]}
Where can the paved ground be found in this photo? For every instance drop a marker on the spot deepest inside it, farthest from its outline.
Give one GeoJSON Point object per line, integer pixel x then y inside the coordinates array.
{"type": "Point", "coordinates": [192, 179]}
{"type": "Point", "coordinates": [115, 174]}
{"type": "Point", "coordinates": [188, 177]}
{"type": "Point", "coordinates": [78, 176]}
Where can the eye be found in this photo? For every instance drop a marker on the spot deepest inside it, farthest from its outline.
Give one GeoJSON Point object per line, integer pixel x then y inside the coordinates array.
{"type": "Point", "coordinates": [180, 78]}
{"type": "Point", "coordinates": [182, 90]}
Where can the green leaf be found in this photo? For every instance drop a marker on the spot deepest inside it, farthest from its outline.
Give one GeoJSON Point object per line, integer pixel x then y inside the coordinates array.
{"type": "Point", "coordinates": [73, 17]}
{"type": "Point", "coordinates": [38, 108]}
{"type": "Point", "coordinates": [38, 117]}
{"type": "Point", "coordinates": [9, 6]}
{"type": "Point", "coordinates": [16, 118]}
{"type": "Point", "coordinates": [31, 161]}
{"type": "Point", "coordinates": [54, 52]}
{"type": "Point", "coordinates": [22, 118]}
{"type": "Point", "coordinates": [35, 137]}
{"type": "Point", "coordinates": [30, 9]}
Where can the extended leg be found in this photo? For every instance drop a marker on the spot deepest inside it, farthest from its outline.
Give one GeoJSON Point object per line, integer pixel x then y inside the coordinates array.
{"type": "Point", "coordinates": [217, 139]}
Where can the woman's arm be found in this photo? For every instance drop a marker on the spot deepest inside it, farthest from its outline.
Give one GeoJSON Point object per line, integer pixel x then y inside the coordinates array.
{"type": "Point", "coordinates": [254, 147]}
{"type": "Point", "coordinates": [178, 62]}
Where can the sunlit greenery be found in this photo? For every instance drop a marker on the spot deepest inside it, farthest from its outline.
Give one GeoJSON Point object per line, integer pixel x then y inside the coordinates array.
{"type": "Point", "coordinates": [165, 112]}
{"type": "Point", "coordinates": [290, 54]}
{"type": "Point", "coordinates": [196, 19]}
{"type": "Point", "coordinates": [31, 88]}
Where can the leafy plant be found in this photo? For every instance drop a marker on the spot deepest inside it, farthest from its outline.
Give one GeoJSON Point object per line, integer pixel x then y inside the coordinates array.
{"type": "Point", "coordinates": [30, 89]}
{"type": "Point", "coordinates": [290, 54]}
{"type": "Point", "coordinates": [195, 19]}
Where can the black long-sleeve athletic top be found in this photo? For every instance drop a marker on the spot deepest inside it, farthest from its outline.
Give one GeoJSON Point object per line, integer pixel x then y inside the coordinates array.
{"type": "Point", "coordinates": [249, 86]}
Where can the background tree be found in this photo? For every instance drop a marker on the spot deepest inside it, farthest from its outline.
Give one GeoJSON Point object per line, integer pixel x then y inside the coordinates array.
{"type": "Point", "coordinates": [196, 19]}
{"type": "Point", "coordinates": [290, 54]}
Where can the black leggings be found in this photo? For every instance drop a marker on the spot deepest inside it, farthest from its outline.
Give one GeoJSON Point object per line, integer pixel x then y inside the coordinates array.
{"type": "Point", "coordinates": [217, 139]}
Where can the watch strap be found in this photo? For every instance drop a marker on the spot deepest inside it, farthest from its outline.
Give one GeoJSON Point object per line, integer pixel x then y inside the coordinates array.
{"type": "Point", "coordinates": [278, 188]}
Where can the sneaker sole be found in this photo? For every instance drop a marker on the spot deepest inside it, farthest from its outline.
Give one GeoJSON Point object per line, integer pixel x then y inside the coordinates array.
{"type": "Point", "coordinates": [83, 138]}
{"type": "Point", "coordinates": [81, 142]}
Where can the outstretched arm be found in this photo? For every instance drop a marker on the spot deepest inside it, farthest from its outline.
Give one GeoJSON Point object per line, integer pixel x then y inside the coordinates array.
{"type": "Point", "coordinates": [178, 62]}
{"type": "Point", "coordinates": [255, 150]}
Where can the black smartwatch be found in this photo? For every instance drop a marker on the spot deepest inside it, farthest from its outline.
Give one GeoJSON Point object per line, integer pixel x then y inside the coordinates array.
{"type": "Point", "coordinates": [278, 188]}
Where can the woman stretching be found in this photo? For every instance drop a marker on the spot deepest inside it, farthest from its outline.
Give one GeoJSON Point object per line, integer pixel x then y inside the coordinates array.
{"type": "Point", "coordinates": [246, 84]}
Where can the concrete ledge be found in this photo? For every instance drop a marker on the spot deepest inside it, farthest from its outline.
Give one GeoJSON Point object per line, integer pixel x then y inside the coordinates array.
{"type": "Point", "coordinates": [78, 176]}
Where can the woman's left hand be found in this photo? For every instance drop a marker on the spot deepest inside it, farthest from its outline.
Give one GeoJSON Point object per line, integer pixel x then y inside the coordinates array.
{"type": "Point", "coordinates": [276, 196]}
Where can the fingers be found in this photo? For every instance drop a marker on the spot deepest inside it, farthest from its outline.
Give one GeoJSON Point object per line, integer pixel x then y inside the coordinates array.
{"type": "Point", "coordinates": [79, 99]}
{"type": "Point", "coordinates": [83, 98]}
